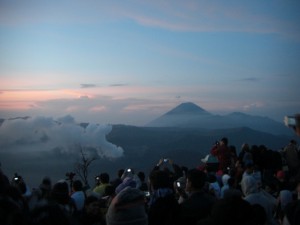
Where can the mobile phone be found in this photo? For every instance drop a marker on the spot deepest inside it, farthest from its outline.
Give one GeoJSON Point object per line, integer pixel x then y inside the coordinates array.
{"type": "Point", "coordinates": [129, 170]}
{"type": "Point", "coordinates": [165, 160]}
{"type": "Point", "coordinates": [178, 184]}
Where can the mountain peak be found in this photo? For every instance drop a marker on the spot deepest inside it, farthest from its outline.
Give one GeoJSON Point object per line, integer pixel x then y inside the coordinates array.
{"type": "Point", "coordinates": [187, 108]}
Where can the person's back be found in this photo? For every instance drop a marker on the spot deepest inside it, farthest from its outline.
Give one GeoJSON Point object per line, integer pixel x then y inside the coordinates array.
{"type": "Point", "coordinates": [127, 208]}
{"type": "Point", "coordinates": [224, 155]}
{"type": "Point", "coordinates": [78, 195]}
{"type": "Point", "coordinates": [254, 196]}
{"type": "Point", "coordinates": [104, 182]}
{"type": "Point", "coordinates": [234, 211]}
{"type": "Point", "coordinates": [163, 206]}
{"type": "Point", "coordinates": [199, 203]}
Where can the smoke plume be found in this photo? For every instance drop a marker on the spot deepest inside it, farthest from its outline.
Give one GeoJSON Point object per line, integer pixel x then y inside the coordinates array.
{"type": "Point", "coordinates": [45, 134]}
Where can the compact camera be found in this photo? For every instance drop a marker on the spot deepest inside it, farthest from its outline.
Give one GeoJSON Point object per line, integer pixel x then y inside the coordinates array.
{"type": "Point", "coordinates": [290, 121]}
{"type": "Point", "coordinates": [70, 175]}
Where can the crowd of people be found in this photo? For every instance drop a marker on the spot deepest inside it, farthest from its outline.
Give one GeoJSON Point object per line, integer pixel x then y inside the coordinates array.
{"type": "Point", "coordinates": [256, 186]}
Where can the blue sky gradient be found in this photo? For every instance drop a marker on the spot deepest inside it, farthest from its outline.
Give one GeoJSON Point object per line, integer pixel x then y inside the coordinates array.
{"type": "Point", "coordinates": [131, 61]}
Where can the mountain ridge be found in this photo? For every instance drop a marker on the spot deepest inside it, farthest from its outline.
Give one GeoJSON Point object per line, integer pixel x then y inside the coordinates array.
{"type": "Point", "coordinates": [191, 115]}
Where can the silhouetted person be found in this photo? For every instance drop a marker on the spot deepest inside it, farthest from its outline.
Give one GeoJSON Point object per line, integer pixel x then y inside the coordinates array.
{"type": "Point", "coordinates": [199, 203]}
{"type": "Point", "coordinates": [127, 208]}
{"type": "Point", "coordinates": [163, 206]}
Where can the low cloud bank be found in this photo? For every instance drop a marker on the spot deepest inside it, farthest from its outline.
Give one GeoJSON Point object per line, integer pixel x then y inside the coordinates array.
{"type": "Point", "coordinates": [38, 134]}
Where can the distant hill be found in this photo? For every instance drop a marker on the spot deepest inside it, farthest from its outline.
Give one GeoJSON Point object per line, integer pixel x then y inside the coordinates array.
{"type": "Point", "coordinates": [190, 115]}
{"type": "Point", "coordinates": [143, 146]}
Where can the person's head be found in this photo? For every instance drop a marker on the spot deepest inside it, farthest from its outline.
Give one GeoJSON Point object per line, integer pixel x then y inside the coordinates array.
{"type": "Point", "coordinates": [141, 175]}
{"type": "Point", "coordinates": [225, 179]}
{"type": "Point", "coordinates": [104, 178]}
{"type": "Point", "coordinates": [46, 184]}
{"type": "Point", "coordinates": [224, 141]}
{"type": "Point", "coordinates": [127, 208]}
{"type": "Point", "coordinates": [280, 175]}
{"type": "Point", "coordinates": [231, 182]}
{"type": "Point", "coordinates": [49, 214]}
{"type": "Point", "coordinates": [245, 147]}
{"type": "Point", "coordinates": [195, 180]}
{"type": "Point", "coordinates": [92, 206]}
{"type": "Point", "coordinates": [249, 167]}
{"type": "Point", "coordinates": [233, 211]}
{"type": "Point", "coordinates": [110, 190]}
{"type": "Point", "coordinates": [77, 185]}
{"type": "Point", "coordinates": [159, 179]}
{"type": "Point", "coordinates": [249, 185]}
{"type": "Point", "coordinates": [60, 192]}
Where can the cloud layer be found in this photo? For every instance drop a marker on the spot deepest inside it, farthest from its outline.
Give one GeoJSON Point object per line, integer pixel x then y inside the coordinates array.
{"type": "Point", "coordinates": [45, 134]}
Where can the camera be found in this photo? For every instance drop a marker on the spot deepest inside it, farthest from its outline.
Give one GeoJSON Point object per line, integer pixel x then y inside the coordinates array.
{"type": "Point", "coordinates": [70, 175]}
{"type": "Point", "coordinates": [290, 121]}
{"type": "Point", "coordinates": [17, 178]}
{"type": "Point", "coordinates": [166, 160]}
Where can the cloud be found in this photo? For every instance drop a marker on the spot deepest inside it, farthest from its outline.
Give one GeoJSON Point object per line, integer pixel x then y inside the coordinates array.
{"type": "Point", "coordinates": [250, 79]}
{"type": "Point", "coordinates": [118, 85]}
{"type": "Point", "coordinates": [180, 16]}
{"type": "Point", "coordinates": [44, 134]}
{"type": "Point", "coordinates": [98, 109]}
{"type": "Point", "coordinates": [88, 85]}
{"type": "Point", "coordinates": [253, 106]}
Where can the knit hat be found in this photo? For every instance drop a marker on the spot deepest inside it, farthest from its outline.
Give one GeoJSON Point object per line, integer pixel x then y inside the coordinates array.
{"type": "Point", "coordinates": [127, 208]}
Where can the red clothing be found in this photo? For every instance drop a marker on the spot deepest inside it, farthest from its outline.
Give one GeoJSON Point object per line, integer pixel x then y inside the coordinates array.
{"type": "Point", "coordinates": [223, 155]}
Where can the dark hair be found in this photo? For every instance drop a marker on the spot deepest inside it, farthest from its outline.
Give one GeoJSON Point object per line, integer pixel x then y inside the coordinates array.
{"type": "Point", "coordinates": [110, 190]}
{"type": "Point", "coordinates": [77, 185]}
{"type": "Point", "coordinates": [120, 172]}
{"type": "Point", "coordinates": [50, 214]}
{"type": "Point", "coordinates": [141, 175]}
{"type": "Point", "coordinates": [90, 199]}
{"type": "Point", "coordinates": [60, 193]}
{"type": "Point", "coordinates": [235, 211]}
{"type": "Point", "coordinates": [197, 178]}
{"type": "Point", "coordinates": [231, 182]}
{"type": "Point", "coordinates": [104, 178]}
{"type": "Point", "coordinates": [159, 179]}
{"type": "Point", "coordinates": [225, 140]}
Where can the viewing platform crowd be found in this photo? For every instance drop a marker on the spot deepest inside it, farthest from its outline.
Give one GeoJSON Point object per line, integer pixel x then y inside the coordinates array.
{"type": "Point", "coordinates": [257, 186]}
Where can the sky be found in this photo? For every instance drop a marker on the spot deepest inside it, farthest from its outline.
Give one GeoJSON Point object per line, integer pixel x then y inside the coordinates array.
{"type": "Point", "coordinates": [129, 62]}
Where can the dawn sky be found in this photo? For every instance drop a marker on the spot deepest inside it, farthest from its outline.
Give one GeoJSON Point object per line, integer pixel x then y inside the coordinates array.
{"type": "Point", "coordinates": [131, 61]}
